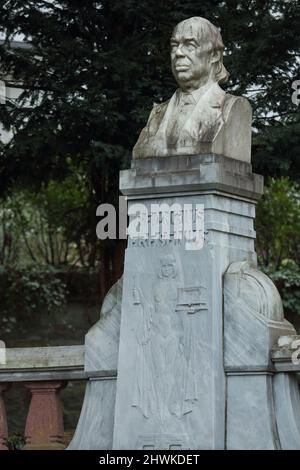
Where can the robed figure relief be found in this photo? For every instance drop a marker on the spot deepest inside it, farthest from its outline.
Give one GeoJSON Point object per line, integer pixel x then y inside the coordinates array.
{"type": "Point", "coordinates": [166, 359]}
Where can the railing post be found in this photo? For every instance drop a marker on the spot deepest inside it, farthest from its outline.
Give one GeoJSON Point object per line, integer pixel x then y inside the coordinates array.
{"type": "Point", "coordinates": [3, 421]}
{"type": "Point", "coordinates": [44, 426]}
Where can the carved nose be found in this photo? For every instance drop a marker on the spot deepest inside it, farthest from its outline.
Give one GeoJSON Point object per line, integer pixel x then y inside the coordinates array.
{"type": "Point", "coordinates": [179, 52]}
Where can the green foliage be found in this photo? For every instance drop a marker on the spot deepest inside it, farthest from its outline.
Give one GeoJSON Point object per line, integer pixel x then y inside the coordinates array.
{"type": "Point", "coordinates": [46, 227]}
{"type": "Point", "coordinates": [278, 238]}
{"type": "Point", "coordinates": [278, 224]}
{"type": "Point", "coordinates": [287, 281]}
{"type": "Point", "coordinates": [25, 292]}
{"type": "Point", "coordinates": [16, 441]}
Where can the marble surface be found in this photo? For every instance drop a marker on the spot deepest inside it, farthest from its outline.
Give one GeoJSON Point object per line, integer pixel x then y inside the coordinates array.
{"type": "Point", "coordinates": [171, 385]}
{"type": "Point", "coordinates": [95, 426]}
{"type": "Point", "coordinates": [253, 316]}
{"type": "Point", "coordinates": [287, 408]}
{"type": "Point", "coordinates": [267, 401]}
{"type": "Point", "coordinates": [190, 174]}
{"type": "Point", "coordinates": [250, 419]}
{"type": "Point", "coordinates": [54, 357]}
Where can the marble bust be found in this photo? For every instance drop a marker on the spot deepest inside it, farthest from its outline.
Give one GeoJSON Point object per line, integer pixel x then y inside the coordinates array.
{"type": "Point", "coordinates": [200, 118]}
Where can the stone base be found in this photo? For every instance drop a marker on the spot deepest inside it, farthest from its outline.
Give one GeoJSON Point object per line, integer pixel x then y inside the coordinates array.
{"type": "Point", "coordinates": [193, 354]}
{"type": "Point", "coordinates": [253, 322]}
{"type": "Point", "coordinates": [186, 174]}
{"type": "Point", "coordinates": [44, 425]}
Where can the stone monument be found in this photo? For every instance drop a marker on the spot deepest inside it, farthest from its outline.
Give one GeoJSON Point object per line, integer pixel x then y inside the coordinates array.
{"type": "Point", "coordinates": [190, 331]}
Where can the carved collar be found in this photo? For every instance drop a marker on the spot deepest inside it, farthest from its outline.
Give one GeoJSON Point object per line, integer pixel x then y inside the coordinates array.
{"type": "Point", "coordinates": [211, 89]}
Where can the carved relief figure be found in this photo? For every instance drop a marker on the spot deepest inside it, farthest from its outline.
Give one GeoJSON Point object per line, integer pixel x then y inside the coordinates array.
{"type": "Point", "coordinates": [200, 114]}
{"type": "Point", "coordinates": [157, 342]}
{"type": "Point", "coordinates": [166, 361]}
{"type": "Point", "coordinates": [190, 301]}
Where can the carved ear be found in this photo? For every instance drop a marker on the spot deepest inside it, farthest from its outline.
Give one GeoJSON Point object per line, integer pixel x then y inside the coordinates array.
{"type": "Point", "coordinates": [215, 56]}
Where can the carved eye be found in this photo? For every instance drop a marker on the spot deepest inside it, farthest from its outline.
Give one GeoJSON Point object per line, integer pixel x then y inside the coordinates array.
{"type": "Point", "coordinates": [191, 46]}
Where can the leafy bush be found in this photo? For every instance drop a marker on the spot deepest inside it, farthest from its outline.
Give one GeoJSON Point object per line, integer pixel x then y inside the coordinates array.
{"type": "Point", "coordinates": [288, 284]}
{"type": "Point", "coordinates": [278, 224]}
{"type": "Point", "coordinates": [278, 238]}
{"type": "Point", "coordinates": [49, 227]}
{"type": "Point", "coordinates": [24, 292]}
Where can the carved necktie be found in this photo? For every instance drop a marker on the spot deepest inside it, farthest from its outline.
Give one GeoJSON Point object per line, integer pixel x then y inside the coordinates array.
{"type": "Point", "coordinates": [181, 114]}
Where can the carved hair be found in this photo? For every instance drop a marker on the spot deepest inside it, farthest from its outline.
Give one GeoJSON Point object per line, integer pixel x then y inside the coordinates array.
{"type": "Point", "coordinates": [207, 34]}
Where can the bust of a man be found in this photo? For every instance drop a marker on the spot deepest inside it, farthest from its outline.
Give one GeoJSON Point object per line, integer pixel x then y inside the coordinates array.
{"type": "Point", "coordinates": [200, 118]}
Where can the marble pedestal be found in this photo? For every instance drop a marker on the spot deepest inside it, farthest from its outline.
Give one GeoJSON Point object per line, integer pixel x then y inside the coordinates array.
{"type": "Point", "coordinates": [171, 385]}
{"type": "Point", "coordinates": [190, 332]}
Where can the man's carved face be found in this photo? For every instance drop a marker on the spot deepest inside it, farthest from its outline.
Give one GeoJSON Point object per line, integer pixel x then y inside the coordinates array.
{"type": "Point", "coordinates": [191, 61]}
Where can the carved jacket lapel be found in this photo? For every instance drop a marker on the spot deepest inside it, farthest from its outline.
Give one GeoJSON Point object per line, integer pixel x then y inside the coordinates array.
{"type": "Point", "coordinates": [201, 126]}
{"type": "Point", "coordinates": [206, 117]}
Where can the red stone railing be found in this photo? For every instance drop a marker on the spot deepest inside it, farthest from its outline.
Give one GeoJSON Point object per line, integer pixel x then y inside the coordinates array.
{"type": "Point", "coordinates": [45, 372]}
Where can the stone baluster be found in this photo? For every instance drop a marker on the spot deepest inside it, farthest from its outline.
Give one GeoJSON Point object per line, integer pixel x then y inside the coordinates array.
{"type": "Point", "coordinates": [44, 426]}
{"type": "Point", "coordinates": [3, 421]}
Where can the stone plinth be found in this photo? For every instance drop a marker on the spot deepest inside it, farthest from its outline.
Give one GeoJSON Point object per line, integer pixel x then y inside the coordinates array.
{"type": "Point", "coordinates": [171, 385]}
{"type": "Point", "coordinates": [189, 174]}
